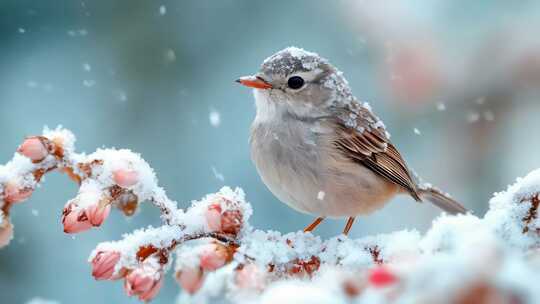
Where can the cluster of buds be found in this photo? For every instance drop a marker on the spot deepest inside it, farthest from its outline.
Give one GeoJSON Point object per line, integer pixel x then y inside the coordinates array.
{"type": "Point", "coordinates": [228, 221]}
{"type": "Point", "coordinates": [120, 178]}
{"type": "Point", "coordinates": [246, 276]}
{"type": "Point", "coordinates": [35, 148]}
{"type": "Point", "coordinates": [143, 281]}
{"type": "Point", "coordinates": [23, 179]}
{"type": "Point", "coordinates": [303, 268]}
{"type": "Point", "coordinates": [210, 257]}
{"type": "Point", "coordinates": [14, 192]}
{"type": "Point", "coordinates": [77, 218]}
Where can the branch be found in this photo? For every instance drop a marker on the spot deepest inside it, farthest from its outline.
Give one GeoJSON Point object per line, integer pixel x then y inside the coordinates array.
{"type": "Point", "coordinates": [219, 255]}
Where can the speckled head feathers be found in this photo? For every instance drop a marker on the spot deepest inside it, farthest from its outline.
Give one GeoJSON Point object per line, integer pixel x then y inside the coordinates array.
{"type": "Point", "coordinates": [292, 60]}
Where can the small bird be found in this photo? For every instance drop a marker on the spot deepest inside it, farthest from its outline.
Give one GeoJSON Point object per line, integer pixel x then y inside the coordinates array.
{"type": "Point", "coordinates": [322, 151]}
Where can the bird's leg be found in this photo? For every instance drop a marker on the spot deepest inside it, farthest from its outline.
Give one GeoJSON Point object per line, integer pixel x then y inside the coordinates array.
{"type": "Point", "coordinates": [348, 226]}
{"type": "Point", "coordinates": [313, 225]}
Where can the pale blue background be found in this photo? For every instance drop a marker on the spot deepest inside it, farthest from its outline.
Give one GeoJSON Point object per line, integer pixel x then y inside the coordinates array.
{"type": "Point", "coordinates": [165, 115]}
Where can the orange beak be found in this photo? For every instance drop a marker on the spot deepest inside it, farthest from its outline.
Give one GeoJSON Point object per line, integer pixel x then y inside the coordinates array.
{"type": "Point", "coordinates": [255, 82]}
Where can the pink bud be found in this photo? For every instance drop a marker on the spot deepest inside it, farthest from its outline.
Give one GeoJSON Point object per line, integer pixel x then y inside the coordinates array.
{"type": "Point", "coordinates": [103, 264]}
{"type": "Point", "coordinates": [150, 294]}
{"type": "Point", "coordinates": [75, 221]}
{"type": "Point", "coordinates": [250, 277]}
{"type": "Point", "coordinates": [13, 193]}
{"type": "Point", "coordinates": [34, 149]}
{"type": "Point", "coordinates": [213, 217]}
{"type": "Point", "coordinates": [190, 279]}
{"type": "Point", "coordinates": [97, 213]}
{"type": "Point", "coordinates": [381, 276]}
{"type": "Point", "coordinates": [143, 282]}
{"type": "Point", "coordinates": [214, 256]}
{"type": "Point", "coordinates": [231, 221]}
{"type": "Point", "coordinates": [125, 178]}
{"type": "Point", "coordinates": [6, 232]}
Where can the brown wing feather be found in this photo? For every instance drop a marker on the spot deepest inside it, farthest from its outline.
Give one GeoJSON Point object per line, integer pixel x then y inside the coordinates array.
{"type": "Point", "coordinates": [372, 149]}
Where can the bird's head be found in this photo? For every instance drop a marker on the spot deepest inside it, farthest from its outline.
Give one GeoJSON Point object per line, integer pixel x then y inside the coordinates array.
{"type": "Point", "coordinates": [298, 83]}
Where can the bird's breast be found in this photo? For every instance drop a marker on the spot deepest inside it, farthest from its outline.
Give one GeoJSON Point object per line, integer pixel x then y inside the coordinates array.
{"type": "Point", "coordinates": [302, 168]}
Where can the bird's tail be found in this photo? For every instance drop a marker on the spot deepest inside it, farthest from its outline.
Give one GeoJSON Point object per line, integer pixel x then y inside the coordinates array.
{"type": "Point", "coordinates": [440, 199]}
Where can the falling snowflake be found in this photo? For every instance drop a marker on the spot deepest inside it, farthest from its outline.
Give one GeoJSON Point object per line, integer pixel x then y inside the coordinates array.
{"type": "Point", "coordinates": [121, 95]}
{"type": "Point", "coordinates": [489, 116]}
{"type": "Point", "coordinates": [480, 100]}
{"type": "Point", "coordinates": [441, 106]}
{"type": "Point", "coordinates": [217, 174]}
{"type": "Point", "coordinates": [169, 55]}
{"type": "Point", "coordinates": [89, 83]}
{"type": "Point", "coordinates": [473, 117]}
{"type": "Point", "coordinates": [215, 118]}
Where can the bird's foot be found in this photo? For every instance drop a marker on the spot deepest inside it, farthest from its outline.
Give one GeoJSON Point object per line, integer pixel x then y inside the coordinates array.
{"type": "Point", "coordinates": [313, 225]}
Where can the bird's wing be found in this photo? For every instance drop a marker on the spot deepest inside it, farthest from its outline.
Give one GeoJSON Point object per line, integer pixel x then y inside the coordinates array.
{"type": "Point", "coordinates": [363, 138]}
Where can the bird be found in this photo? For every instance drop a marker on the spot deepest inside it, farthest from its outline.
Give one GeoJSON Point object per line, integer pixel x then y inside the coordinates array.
{"type": "Point", "coordinates": [322, 151]}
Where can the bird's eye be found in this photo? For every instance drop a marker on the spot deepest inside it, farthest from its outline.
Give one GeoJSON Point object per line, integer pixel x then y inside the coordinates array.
{"type": "Point", "coordinates": [295, 82]}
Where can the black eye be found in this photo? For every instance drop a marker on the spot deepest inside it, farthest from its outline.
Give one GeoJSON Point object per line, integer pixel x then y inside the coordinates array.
{"type": "Point", "coordinates": [295, 82]}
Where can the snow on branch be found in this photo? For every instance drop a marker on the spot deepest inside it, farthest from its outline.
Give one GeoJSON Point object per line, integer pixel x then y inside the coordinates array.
{"type": "Point", "coordinates": [219, 255]}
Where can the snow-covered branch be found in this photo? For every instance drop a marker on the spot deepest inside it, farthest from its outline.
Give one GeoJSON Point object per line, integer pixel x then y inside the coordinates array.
{"type": "Point", "coordinates": [219, 255]}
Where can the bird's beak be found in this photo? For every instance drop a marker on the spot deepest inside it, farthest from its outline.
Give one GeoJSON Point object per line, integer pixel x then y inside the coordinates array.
{"type": "Point", "coordinates": [255, 82]}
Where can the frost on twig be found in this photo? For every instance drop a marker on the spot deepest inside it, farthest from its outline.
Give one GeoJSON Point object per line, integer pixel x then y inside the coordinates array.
{"type": "Point", "coordinates": [220, 256]}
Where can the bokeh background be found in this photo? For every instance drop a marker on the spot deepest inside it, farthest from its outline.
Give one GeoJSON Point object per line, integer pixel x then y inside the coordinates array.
{"type": "Point", "coordinates": [456, 82]}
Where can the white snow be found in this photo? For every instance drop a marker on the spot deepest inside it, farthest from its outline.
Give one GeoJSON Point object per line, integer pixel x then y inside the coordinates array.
{"type": "Point", "coordinates": [219, 176]}
{"type": "Point", "coordinates": [162, 10]}
{"type": "Point", "coordinates": [488, 115]}
{"type": "Point", "coordinates": [500, 250]}
{"type": "Point", "coordinates": [215, 118]}
{"type": "Point", "coordinates": [89, 83]}
{"type": "Point", "coordinates": [39, 300]}
{"type": "Point", "coordinates": [457, 253]}
{"type": "Point", "coordinates": [473, 117]}
{"type": "Point", "coordinates": [441, 106]}
{"type": "Point", "coordinates": [169, 55]}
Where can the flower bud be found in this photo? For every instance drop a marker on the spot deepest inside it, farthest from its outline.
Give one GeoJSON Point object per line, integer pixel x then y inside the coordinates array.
{"type": "Point", "coordinates": [34, 148]}
{"type": "Point", "coordinates": [97, 213]}
{"type": "Point", "coordinates": [125, 178]}
{"type": "Point", "coordinates": [190, 279]}
{"type": "Point", "coordinates": [250, 277]}
{"type": "Point", "coordinates": [74, 220]}
{"type": "Point", "coordinates": [213, 217]}
{"type": "Point", "coordinates": [14, 193]}
{"type": "Point", "coordinates": [381, 276]}
{"type": "Point", "coordinates": [127, 202]}
{"type": "Point", "coordinates": [214, 256]}
{"type": "Point", "coordinates": [143, 282]}
{"type": "Point", "coordinates": [103, 264]}
{"type": "Point", "coordinates": [231, 221]}
{"type": "Point", "coordinates": [6, 232]}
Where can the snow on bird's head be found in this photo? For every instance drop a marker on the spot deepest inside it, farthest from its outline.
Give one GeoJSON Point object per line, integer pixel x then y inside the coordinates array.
{"type": "Point", "coordinates": [291, 60]}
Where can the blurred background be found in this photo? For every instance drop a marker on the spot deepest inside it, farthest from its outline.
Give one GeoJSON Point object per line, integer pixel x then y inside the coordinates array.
{"type": "Point", "coordinates": [456, 82]}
